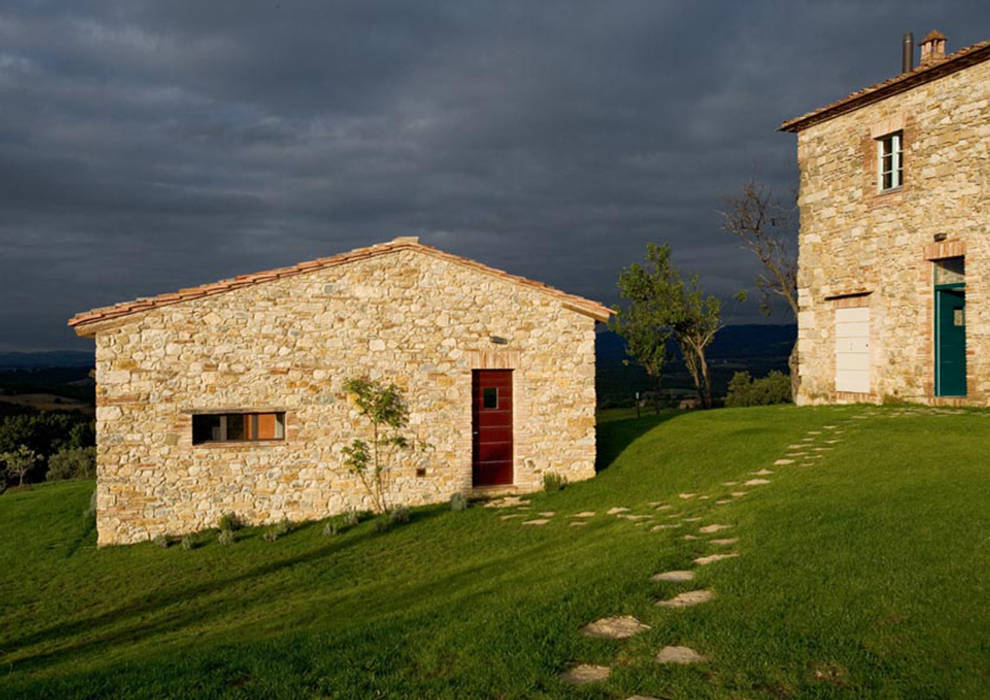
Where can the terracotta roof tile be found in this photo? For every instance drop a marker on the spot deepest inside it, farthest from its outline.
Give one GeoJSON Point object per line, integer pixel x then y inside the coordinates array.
{"type": "Point", "coordinates": [82, 321]}
{"type": "Point", "coordinates": [905, 81]}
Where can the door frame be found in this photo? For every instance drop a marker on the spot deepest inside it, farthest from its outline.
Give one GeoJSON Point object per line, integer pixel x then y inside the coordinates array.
{"type": "Point", "coordinates": [475, 375]}
{"type": "Point", "coordinates": [939, 288]}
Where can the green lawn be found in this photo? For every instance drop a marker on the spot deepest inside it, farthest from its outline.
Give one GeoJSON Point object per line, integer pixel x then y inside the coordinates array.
{"type": "Point", "coordinates": [864, 575]}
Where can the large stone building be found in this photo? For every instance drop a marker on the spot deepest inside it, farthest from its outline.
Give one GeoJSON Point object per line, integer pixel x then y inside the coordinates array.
{"type": "Point", "coordinates": [894, 265]}
{"type": "Point", "coordinates": [228, 397]}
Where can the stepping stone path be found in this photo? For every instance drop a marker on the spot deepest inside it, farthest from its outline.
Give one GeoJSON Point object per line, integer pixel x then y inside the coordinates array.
{"type": "Point", "coordinates": [585, 673]}
{"type": "Point", "coordinates": [725, 541]}
{"type": "Point", "coordinates": [584, 514]}
{"type": "Point", "coordinates": [579, 523]}
{"type": "Point", "coordinates": [764, 472]}
{"type": "Point", "coordinates": [712, 558]}
{"type": "Point", "coordinates": [782, 462]}
{"type": "Point", "coordinates": [738, 494]}
{"type": "Point", "coordinates": [679, 655]}
{"type": "Point", "coordinates": [619, 627]}
{"type": "Point", "coordinates": [675, 576]}
{"type": "Point", "coordinates": [537, 522]}
{"type": "Point", "coordinates": [506, 502]}
{"type": "Point", "coordinates": [690, 537]}
{"type": "Point", "coordinates": [669, 526]}
{"type": "Point", "coordinates": [686, 496]}
{"type": "Point", "coordinates": [547, 514]}
{"type": "Point", "coordinates": [709, 529]}
{"type": "Point", "coordinates": [687, 599]}
{"type": "Point", "coordinates": [616, 510]}
{"type": "Point", "coordinates": [511, 516]}
{"type": "Point", "coordinates": [756, 482]}
{"type": "Point", "coordinates": [692, 520]}
{"type": "Point", "coordinates": [724, 501]}
{"type": "Point", "coordinates": [633, 517]}
{"type": "Point", "coordinates": [663, 507]}
{"type": "Point", "coordinates": [729, 483]}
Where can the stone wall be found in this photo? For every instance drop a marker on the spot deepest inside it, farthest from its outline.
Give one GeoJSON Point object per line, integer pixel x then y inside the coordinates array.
{"type": "Point", "coordinates": [288, 345]}
{"type": "Point", "coordinates": [855, 240]}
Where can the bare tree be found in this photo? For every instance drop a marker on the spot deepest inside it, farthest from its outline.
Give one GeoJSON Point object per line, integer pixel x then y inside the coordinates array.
{"type": "Point", "coordinates": [766, 227]}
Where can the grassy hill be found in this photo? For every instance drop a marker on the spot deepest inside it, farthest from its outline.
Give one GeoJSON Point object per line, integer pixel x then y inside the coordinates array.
{"type": "Point", "coordinates": [863, 574]}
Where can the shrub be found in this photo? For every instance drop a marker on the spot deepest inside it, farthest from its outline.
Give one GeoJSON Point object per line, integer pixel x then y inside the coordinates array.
{"type": "Point", "coordinates": [458, 501]}
{"type": "Point", "coordinates": [331, 527]}
{"type": "Point", "coordinates": [553, 482]}
{"type": "Point", "coordinates": [282, 527]}
{"type": "Point", "coordinates": [187, 543]}
{"type": "Point", "coordinates": [746, 391]}
{"type": "Point", "coordinates": [90, 512]}
{"type": "Point", "coordinates": [381, 523]}
{"type": "Point", "coordinates": [226, 537]}
{"type": "Point", "coordinates": [19, 462]}
{"type": "Point", "coordinates": [229, 522]}
{"type": "Point", "coordinates": [72, 463]}
{"type": "Point", "coordinates": [399, 516]}
{"type": "Point", "coordinates": [161, 541]}
{"type": "Point", "coordinates": [351, 517]}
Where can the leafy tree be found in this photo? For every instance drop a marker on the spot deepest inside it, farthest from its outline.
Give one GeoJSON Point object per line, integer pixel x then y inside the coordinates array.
{"type": "Point", "coordinates": [372, 462]}
{"type": "Point", "coordinates": [19, 462]}
{"type": "Point", "coordinates": [662, 305]}
{"type": "Point", "coordinates": [72, 463]}
{"type": "Point", "coordinates": [746, 391]}
{"type": "Point", "coordinates": [765, 226]}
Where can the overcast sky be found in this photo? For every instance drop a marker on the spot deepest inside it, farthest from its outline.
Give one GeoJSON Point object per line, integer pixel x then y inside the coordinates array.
{"type": "Point", "coordinates": [148, 146]}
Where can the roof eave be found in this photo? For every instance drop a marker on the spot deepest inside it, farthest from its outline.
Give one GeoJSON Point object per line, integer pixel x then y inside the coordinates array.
{"type": "Point", "coordinates": [964, 58]}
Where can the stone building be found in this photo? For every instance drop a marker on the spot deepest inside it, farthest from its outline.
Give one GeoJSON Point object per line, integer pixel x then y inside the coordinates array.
{"type": "Point", "coordinates": [228, 397]}
{"type": "Point", "coordinates": [894, 263]}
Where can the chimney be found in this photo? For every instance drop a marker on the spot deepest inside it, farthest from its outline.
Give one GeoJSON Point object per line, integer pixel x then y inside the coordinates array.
{"type": "Point", "coordinates": [932, 48]}
{"type": "Point", "coordinates": [907, 53]}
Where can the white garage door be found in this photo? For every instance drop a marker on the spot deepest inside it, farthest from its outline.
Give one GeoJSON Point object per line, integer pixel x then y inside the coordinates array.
{"type": "Point", "coordinates": [852, 350]}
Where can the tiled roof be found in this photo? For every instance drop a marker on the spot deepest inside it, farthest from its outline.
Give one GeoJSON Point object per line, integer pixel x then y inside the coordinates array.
{"type": "Point", "coordinates": [905, 81]}
{"type": "Point", "coordinates": [83, 322]}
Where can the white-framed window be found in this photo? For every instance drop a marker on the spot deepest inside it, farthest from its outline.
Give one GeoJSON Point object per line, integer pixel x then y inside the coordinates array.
{"type": "Point", "coordinates": [890, 161]}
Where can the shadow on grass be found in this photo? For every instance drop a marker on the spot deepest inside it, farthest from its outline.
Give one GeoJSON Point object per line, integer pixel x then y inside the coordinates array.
{"type": "Point", "coordinates": [162, 599]}
{"type": "Point", "coordinates": [463, 582]}
{"type": "Point", "coordinates": [613, 437]}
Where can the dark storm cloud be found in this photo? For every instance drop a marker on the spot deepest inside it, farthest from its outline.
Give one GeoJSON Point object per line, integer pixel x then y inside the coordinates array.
{"type": "Point", "coordinates": [146, 146]}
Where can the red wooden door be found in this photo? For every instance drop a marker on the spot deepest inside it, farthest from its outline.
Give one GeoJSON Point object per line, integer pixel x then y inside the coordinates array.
{"type": "Point", "coordinates": [492, 425]}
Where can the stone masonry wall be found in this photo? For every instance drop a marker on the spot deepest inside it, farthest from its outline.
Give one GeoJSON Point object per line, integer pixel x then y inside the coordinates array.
{"type": "Point", "coordinates": [854, 239]}
{"type": "Point", "coordinates": [289, 344]}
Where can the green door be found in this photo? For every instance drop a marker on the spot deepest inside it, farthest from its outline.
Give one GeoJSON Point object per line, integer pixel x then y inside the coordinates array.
{"type": "Point", "coordinates": [950, 341]}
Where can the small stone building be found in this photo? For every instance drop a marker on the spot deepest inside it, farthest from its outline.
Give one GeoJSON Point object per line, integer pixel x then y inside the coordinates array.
{"type": "Point", "coordinates": [228, 397]}
{"type": "Point", "coordinates": [894, 264]}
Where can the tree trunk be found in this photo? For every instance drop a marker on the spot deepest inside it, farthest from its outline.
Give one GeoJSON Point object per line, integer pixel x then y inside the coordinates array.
{"type": "Point", "coordinates": [792, 363]}
{"type": "Point", "coordinates": [706, 381]}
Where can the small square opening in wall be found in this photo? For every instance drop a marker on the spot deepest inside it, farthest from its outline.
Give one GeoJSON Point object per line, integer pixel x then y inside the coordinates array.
{"type": "Point", "coordinates": [420, 471]}
{"type": "Point", "coordinates": [489, 397]}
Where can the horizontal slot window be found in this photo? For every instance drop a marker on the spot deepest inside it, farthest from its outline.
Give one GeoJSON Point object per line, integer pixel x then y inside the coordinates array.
{"type": "Point", "coordinates": [237, 427]}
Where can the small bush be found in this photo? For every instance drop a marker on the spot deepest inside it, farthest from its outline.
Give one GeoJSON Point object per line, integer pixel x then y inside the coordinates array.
{"type": "Point", "coordinates": [229, 522]}
{"type": "Point", "coordinates": [90, 512]}
{"type": "Point", "coordinates": [381, 523]}
{"type": "Point", "coordinates": [746, 391]}
{"type": "Point", "coordinates": [187, 543]}
{"type": "Point", "coordinates": [399, 516]}
{"type": "Point", "coordinates": [161, 541]}
{"type": "Point", "coordinates": [270, 535]}
{"type": "Point", "coordinates": [72, 463]}
{"type": "Point", "coordinates": [331, 527]}
{"type": "Point", "coordinates": [458, 501]}
{"type": "Point", "coordinates": [553, 482]}
{"type": "Point", "coordinates": [351, 517]}
{"type": "Point", "coordinates": [226, 537]}
{"type": "Point", "coordinates": [283, 527]}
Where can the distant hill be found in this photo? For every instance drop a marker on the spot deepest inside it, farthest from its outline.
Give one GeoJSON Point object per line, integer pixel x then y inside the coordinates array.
{"type": "Point", "coordinates": [51, 358]}
{"type": "Point", "coordinates": [754, 348]}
